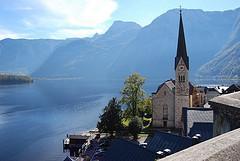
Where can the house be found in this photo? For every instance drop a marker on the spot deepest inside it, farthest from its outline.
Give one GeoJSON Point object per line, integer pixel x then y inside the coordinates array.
{"type": "Point", "coordinates": [199, 96]}
{"type": "Point", "coordinates": [123, 150]}
{"type": "Point", "coordinates": [164, 140]}
{"type": "Point", "coordinates": [226, 110]}
{"type": "Point", "coordinates": [232, 88]}
{"type": "Point", "coordinates": [212, 92]}
{"type": "Point", "coordinates": [198, 121]}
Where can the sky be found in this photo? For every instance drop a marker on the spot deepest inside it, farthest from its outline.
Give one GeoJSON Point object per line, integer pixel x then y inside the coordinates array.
{"type": "Point", "coordinates": [61, 19]}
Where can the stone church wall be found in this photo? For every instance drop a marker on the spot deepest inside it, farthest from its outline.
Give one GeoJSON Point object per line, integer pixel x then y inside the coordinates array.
{"type": "Point", "coordinates": [164, 97]}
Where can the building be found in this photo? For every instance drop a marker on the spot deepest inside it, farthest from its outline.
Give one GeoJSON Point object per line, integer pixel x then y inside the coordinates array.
{"type": "Point", "coordinates": [165, 97]}
{"type": "Point", "coordinates": [160, 143]}
{"type": "Point", "coordinates": [172, 95]}
{"type": "Point", "coordinates": [232, 88]}
{"type": "Point", "coordinates": [226, 110]}
{"type": "Point", "coordinates": [123, 150]}
{"type": "Point", "coordinates": [199, 96]}
{"type": "Point", "coordinates": [226, 124]}
{"type": "Point", "coordinates": [198, 121]}
{"type": "Point", "coordinates": [164, 140]}
{"type": "Point", "coordinates": [181, 76]}
{"type": "Point", "coordinates": [211, 93]}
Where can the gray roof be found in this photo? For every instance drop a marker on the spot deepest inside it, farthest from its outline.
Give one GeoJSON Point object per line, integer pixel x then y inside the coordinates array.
{"type": "Point", "coordinates": [198, 120]}
{"type": "Point", "coordinates": [68, 159]}
{"type": "Point", "coordinates": [163, 140]}
{"type": "Point", "coordinates": [123, 150]}
{"type": "Point", "coordinates": [232, 99]}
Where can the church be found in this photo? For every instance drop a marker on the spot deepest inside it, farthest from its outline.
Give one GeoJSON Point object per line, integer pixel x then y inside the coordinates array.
{"type": "Point", "coordinates": [172, 95]}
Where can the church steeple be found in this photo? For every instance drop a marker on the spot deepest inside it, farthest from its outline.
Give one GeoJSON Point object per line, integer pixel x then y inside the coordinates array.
{"type": "Point", "coordinates": [181, 47]}
{"type": "Point", "coordinates": [181, 73]}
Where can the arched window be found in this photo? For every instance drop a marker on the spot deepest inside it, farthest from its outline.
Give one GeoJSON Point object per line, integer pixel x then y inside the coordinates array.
{"type": "Point", "coordinates": [165, 112]}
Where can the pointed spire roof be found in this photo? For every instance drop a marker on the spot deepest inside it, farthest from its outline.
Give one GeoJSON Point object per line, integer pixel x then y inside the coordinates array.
{"type": "Point", "coordinates": [181, 47]}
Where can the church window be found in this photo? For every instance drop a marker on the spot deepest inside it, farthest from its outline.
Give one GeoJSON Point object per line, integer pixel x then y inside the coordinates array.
{"type": "Point", "coordinates": [165, 112]}
{"type": "Point", "coordinates": [164, 124]}
{"type": "Point", "coordinates": [165, 93]}
{"type": "Point", "coordinates": [183, 78]}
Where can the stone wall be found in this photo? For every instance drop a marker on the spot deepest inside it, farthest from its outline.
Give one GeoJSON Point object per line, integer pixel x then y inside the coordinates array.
{"type": "Point", "coordinates": [164, 96]}
{"type": "Point", "coordinates": [226, 113]}
{"type": "Point", "coordinates": [180, 102]}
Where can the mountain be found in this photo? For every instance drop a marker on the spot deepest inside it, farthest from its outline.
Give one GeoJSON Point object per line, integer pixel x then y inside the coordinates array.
{"type": "Point", "coordinates": [226, 63]}
{"type": "Point", "coordinates": [89, 57]}
{"type": "Point", "coordinates": [24, 56]}
{"type": "Point", "coordinates": [126, 47]}
{"type": "Point", "coordinates": [154, 48]}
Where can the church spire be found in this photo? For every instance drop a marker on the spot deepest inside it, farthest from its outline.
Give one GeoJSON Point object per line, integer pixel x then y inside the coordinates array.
{"type": "Point", "coordinates": [181, 47]}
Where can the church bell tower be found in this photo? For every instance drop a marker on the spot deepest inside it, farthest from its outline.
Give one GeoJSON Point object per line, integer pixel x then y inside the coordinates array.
{"type": "Point", "coordinates": [181, 73]}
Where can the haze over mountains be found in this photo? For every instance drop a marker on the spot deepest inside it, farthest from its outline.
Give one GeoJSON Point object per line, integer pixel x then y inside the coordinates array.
{"type": "Point", "coordinates": [127, 47]}
{"type": "Point", "coordinates": [226, 63]}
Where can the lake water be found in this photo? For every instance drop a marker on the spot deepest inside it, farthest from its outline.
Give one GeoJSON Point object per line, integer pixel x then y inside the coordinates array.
{"type": "Point", "coordinates": [35, 118]}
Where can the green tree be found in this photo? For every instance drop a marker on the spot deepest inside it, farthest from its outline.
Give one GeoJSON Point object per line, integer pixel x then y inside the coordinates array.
{"type": "Point", "coordinates": [135, 127]}
{"type": "Point", "coordinates": [111, 119]}
{"type": "Point", "coordinates": [146, 107]}
{"type": "Point", "coordinates": [133, 94]}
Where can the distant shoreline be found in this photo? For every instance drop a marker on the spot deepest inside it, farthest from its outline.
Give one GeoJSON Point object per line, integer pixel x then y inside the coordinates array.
{"type": "Point", "coordinates": [12, 79]}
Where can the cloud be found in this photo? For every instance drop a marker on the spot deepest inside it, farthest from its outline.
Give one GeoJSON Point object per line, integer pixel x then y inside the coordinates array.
{"type": "Point", "coordinates": [24, 8]}
{"type": "Point", "coordinates": [57, 18]}
{"type": "Point", "coordinates": [88, 13]}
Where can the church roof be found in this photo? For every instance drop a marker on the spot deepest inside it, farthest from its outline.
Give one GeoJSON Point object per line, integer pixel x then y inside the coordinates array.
{"type": "Point", "coordinates": [171, 85]}
{"type": "Point", "coordinates": [181, 47]}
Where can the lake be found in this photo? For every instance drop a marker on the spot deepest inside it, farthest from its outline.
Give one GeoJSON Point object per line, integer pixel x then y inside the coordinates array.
{"type": "Point", "coordinates": [34, 118]}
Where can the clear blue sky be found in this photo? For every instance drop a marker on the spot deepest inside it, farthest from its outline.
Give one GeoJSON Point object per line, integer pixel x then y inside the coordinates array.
{"type": "Point", "coordinates": [78, 18]}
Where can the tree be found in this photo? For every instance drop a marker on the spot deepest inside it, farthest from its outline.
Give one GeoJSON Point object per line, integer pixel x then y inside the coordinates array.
{"type": "Point", "coordinates": [133, 94]}
{"type": "Point", "coordinates": [135, 127]}
{"type": "Point", "coordinates": [145, 107]}
{"type": "Point", "coordinates": [111, 119]}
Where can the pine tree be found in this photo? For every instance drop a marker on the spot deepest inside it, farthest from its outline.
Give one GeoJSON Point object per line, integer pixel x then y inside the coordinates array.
{"type": "Point", "coordinates": [111, 119]}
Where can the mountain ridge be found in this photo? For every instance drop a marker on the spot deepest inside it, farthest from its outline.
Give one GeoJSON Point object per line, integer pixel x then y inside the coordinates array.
{"type": "Point", "coordinates": [127, 47]}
